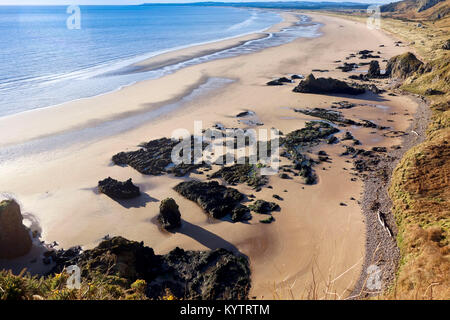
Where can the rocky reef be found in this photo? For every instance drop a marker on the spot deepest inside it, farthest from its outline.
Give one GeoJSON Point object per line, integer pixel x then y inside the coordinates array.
{"type": "Point", "coordinates": [241, 173]}
{"type": "Point", "coordinates": [326, 86]}
{"type": "Point", "coordinates": [264, 207]}
{"type": "Point", "coordinates": [154, 158]}
{"type": "Point", "coordinates": [336, 117]}
{"type": "Point", "coordinates": [193, 275]}
{"type": "Point", "coordinates": [169, 214]}
{"type": "Point", "coordinates": [215, 199]}
{"type": "Point", "coordinates": [117, 189]}
{"type": "Point", "coordinates": [314, 133]}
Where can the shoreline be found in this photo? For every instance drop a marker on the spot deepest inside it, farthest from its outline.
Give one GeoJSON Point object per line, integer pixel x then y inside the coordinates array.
{"type": "Point", "coordinates": [178, 55]}
{"type": "Point", "coordinates": [71, 213]}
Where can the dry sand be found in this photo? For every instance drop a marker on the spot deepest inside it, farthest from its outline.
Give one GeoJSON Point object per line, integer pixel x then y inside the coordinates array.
{"type": "Point", "coordinates": [314, 238]}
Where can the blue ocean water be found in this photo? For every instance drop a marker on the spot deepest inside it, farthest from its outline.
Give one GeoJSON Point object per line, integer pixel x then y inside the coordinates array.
{"type": "Point", "coordinates": [44, 63]}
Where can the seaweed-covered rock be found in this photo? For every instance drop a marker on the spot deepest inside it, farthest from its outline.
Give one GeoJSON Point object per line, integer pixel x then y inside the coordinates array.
{"type": "Point", "coordinates": [264, 207]}
{"type": "Point", "coordinates": [155, 158]}
{"type": "Point", "coordinates": [207, 275]}
{"type": "Point", "coordinates": [343, 105]}
{"type": "Point", "coordinates": [403, 66]}
{"type": "Point", "coordinates": [337, 117]}
{"type": "Point", "coordinates": [313, 133]}
{"type": "Point", "coordinates": [268, 220]}
{"type": "Point", "coordinates": [241, 173]}
{"type": "Point", "coordinates": [213, 198]}
{"type": "Point", "coordinates": [241, 213]}
{"type": "Point", "coordinates": [169, 214]}
{"type": "Point", "coordinates": [15, 240]}
{"type": "Point", "coordinates": [330, 115]}
{"type": "Point", "coordinates": [118, 189]}
{"type": "Point", "coordinates": [245, 114]}
{"type": "Point", "coordinates": [326, 86]}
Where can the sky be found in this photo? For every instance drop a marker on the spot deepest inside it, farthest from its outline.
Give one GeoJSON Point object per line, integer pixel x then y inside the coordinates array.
{"type": "Point", "coordinates": [129, 2]}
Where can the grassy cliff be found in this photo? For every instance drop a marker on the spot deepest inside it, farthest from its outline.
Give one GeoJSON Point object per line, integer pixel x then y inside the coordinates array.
{"type": "Point", "coordinates": [420, 186]}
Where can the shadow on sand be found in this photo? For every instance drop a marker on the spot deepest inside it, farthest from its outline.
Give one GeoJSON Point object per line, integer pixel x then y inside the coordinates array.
{"type": "Point", "coordinates": [205, 237]}
{"type": "Point", "coordinates": [139, 202]}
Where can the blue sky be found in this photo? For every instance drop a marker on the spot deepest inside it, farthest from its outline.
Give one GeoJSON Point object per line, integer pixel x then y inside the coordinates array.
{"type": "Point", "coordinates": [125, 2]}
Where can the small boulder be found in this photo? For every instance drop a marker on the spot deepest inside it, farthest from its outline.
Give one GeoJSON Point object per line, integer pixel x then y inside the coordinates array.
{"type": "Point", "coordinates": [15, 240]}
{"type": "Point", "coordinates": [274, 83]}
{"type": "Point", "coordinates": [169, 214]}
{"type": "Point", "coordinates": [374, 69]}
{"type": "Point", "coordinates": [446, 45]}
{"type": "Point", "coordinates": [297, 76]}
{"type": "Point", "coordinates": [118, 190]}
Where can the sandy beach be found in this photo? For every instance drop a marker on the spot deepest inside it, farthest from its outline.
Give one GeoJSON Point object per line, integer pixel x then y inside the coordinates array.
{"type": "Point", "coordinates": [54, 158]}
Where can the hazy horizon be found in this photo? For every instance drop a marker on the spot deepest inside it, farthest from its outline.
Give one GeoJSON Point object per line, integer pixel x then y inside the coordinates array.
{"type": "Point", "coordinates": [137, 2]}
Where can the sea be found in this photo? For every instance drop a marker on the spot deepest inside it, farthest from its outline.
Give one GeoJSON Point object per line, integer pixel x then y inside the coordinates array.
{"type": "Point", "coordinates": [54, 54]}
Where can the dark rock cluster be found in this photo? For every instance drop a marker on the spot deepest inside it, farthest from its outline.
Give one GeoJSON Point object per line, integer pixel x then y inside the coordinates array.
{"type": "Point", "coordinates": [241, 173]}
{"type": "Point", "coordinates": [192, 275]}
{"type": "Point", "coordinates": [118, 190]}
{"type": "Point", "coordinates": [169, 215]}
{"type": "Point", "coordinates": [326, 86]}
{"type": "Point", "coordinates": [264, 207]}
{"type": "Point", "coordinates": [154, 158]}
{"type": "Point", "coordinates": [213, 198]}
{"type": "Point", "coordinates": [337, 118]}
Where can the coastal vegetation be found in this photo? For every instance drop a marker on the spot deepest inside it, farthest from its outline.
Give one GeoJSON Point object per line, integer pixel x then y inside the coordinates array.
{"type": "Point", "coordinates": [419, 187]}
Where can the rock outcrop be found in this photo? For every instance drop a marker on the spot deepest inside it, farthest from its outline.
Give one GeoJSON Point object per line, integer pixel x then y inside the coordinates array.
{"type": "Point", "coordinates": [279, 81]}
{"type": "Point", "coordinates": [374, 69]}
{"type": "Point", "coordinates": [241, 213]}
{"type": "Point", "coordinates": [169, 214]}
{"type": "Point", "coordinates": [118, 190]}
{"type": "Point", "coordinates": [403, 66]}
{"type": "Point", "coordinates": [264, 207]}
{"type": "Point", "coordinates": [213, 198]}
{"type": "Point", "coordinates": [154, 158]}
{"type": "Point", "coordinates": [326, 86]}
{"type": "Point", "coordinates": [241, 173]}
{"type": "Point", "coordinates": [15, 240]}
{"type": "Point", "coordinates": [206, 275]}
